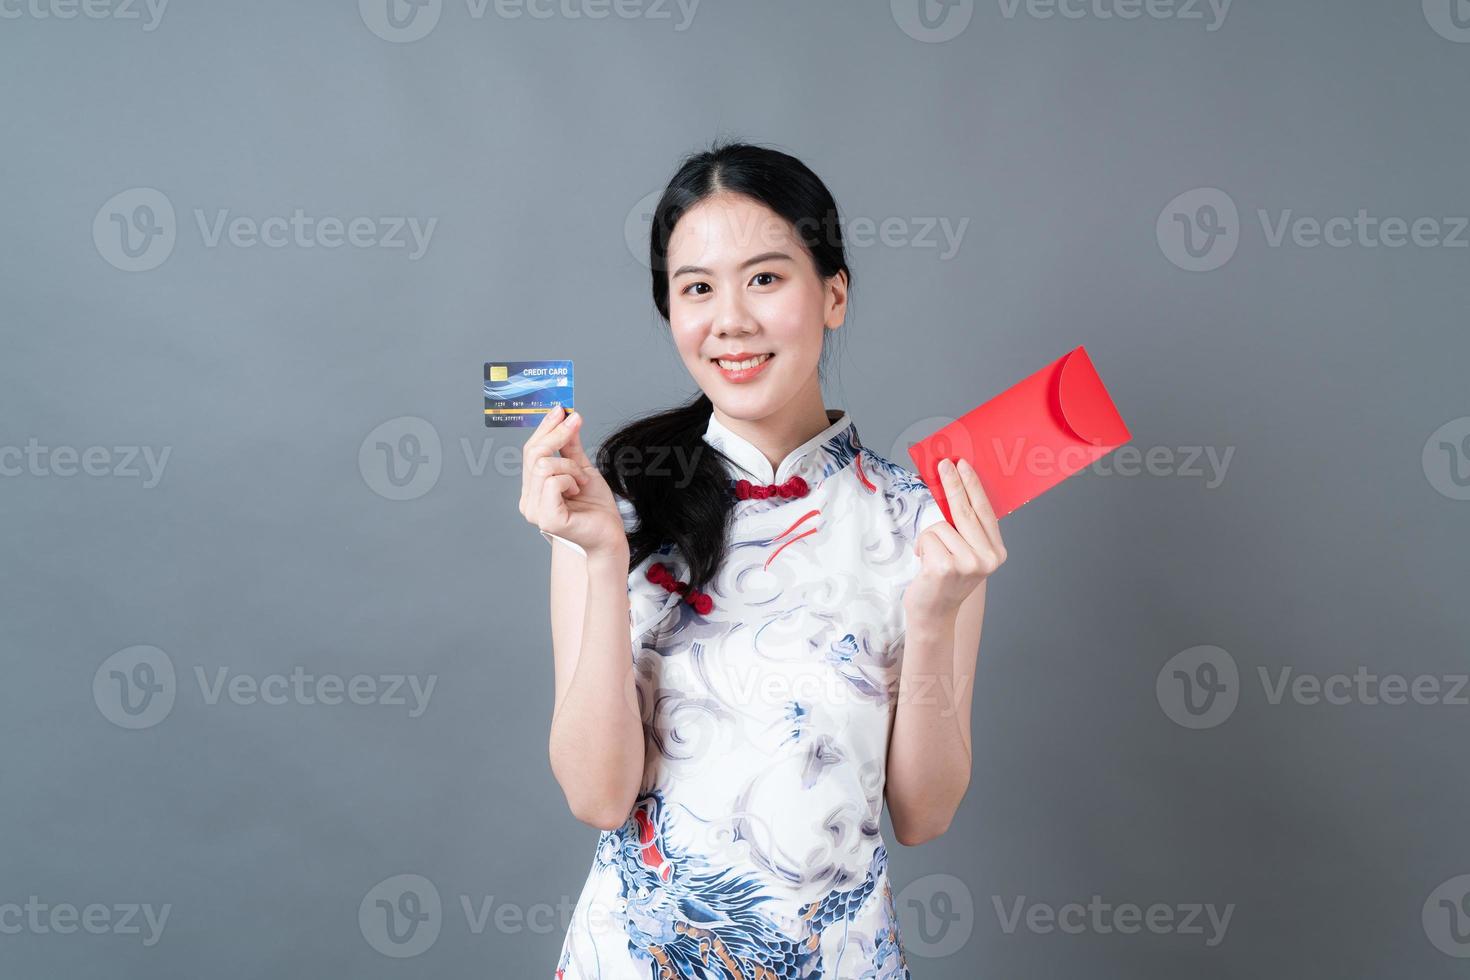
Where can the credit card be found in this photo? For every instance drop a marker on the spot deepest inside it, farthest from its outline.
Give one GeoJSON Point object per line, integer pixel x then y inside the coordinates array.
{"type": "Point", "coordinates": [519, 393]}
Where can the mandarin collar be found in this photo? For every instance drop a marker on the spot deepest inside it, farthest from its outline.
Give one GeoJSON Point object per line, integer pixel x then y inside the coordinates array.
{"type": "Point", "coordinates": [821, 455]}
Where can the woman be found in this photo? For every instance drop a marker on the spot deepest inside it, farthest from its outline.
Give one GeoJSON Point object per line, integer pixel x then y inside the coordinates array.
{"type": "Point", "coordinates": [804, 623]}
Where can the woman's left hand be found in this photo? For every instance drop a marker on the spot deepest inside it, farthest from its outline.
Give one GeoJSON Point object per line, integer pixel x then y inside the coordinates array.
{"type": "Point", "coordinates": [955, 558]}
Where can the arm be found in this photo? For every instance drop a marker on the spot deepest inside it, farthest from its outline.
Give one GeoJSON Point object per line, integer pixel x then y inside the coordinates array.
{"type": "Point", "coordinates": [596, 743]}
{"type": "Point", "coordinates": [929, 754]}
{"type": "Point", "coordinates": [929, 751]}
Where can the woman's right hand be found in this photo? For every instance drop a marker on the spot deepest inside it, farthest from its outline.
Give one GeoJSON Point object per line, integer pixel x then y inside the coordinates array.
{"type": "Point", "coordinates": [567, 495]}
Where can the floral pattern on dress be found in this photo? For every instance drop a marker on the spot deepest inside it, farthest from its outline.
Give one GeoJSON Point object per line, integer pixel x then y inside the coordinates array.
{"type": "Point", "coordinates": [755, 849]}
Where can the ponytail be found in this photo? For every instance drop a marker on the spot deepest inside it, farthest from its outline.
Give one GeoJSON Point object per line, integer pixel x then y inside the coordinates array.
{"type": "Point", "coordinates": [677, 484]}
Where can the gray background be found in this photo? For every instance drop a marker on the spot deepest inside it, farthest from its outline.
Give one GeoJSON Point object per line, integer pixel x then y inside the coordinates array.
{"type": "Point", "coordinates": [1334, 542]}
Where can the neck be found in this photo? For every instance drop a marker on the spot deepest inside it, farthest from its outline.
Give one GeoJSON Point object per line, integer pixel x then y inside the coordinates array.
{"type": "Point", "coordinates": [783, 430]}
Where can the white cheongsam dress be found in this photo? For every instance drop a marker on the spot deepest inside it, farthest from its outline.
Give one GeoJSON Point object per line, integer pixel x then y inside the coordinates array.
{"type": "Point", "coordinates": [755, 850]}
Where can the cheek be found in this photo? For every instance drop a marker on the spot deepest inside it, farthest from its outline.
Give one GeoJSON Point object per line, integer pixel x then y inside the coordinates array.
{"type": "Point", "coordinates": [688, 336]}
{"type": "Point", "coordinates": [793, 318]}
{"type": "Point", "coordinates": [795, 332]}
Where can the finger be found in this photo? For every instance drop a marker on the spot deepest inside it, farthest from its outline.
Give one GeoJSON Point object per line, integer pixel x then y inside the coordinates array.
{"type": "Point", "coordinates": [965, 519]}
{"type": "Point", "coordinates": [554, 510]}
{"type": "Point", "coordinates": [981, 504]}
{"type": "Point", "coordinates": [548, 420]}
{"type": "Point", "coordinates": [969, 559]}
{"type": "Point", "coordinates": [572, 448]}
{"type": "Point", "coordinates": [553, 465]}
{"type": "Point", "coordinates": [934, 553]}
{"type": "Point", "coordinates": [558, 436]}
{"type": "Point", "coordinates": [542, 444]}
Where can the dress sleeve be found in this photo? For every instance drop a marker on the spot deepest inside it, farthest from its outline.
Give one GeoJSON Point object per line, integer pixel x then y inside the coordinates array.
{"type": "Point", "coordinates": [924, 513]}
{"type": "Point", "coordinates": [625, 508]}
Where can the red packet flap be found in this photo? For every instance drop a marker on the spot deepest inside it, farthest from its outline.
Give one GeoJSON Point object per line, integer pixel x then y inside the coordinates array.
{"type": "Point", "coordinates": [1030, 437]}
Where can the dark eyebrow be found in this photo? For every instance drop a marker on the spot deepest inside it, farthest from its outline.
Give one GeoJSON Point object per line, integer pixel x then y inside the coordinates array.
{"type": "Point", "coordinates": [763, 257]}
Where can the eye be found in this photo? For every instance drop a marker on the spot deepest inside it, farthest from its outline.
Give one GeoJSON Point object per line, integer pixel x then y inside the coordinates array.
{"type": "Point", "coordinates": [768, 275]}
{"type": "Point", "coordinates": [692, 285]}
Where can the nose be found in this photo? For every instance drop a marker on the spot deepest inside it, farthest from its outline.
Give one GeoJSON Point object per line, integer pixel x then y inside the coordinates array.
{"type": "Point", "coordinates": [731, 318]}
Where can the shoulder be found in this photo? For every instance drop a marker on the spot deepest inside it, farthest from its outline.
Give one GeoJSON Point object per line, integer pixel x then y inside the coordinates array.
{"type": "Point", "coordinates": [907, 501]}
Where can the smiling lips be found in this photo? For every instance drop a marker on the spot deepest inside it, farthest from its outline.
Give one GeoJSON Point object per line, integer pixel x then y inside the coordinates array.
{"type": "Point", "coordinates": [742, 369]}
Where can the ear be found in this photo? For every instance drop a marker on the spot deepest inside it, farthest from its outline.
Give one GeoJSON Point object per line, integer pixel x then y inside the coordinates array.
{"type": "Point", "coordinates": [836, 300]}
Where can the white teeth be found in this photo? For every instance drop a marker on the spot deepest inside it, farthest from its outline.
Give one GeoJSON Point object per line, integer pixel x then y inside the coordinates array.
{"type": "Point", "coordinates": [743, 365]}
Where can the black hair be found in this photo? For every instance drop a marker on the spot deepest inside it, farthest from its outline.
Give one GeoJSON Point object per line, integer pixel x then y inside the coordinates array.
{"type": "Point", "coordinates": [689, 505]}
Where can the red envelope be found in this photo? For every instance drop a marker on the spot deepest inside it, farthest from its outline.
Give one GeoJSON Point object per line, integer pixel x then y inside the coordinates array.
{"type": "Point", "coordinates": [1030, 437]}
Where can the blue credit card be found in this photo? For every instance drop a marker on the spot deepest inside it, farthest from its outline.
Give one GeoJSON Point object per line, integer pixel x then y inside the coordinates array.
{"type": "Point", "coordinates": [520, 393]}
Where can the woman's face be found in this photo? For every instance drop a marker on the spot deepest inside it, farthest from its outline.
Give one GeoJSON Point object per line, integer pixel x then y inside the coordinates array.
{"type": "Point", "coordinates": [742, 283]}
